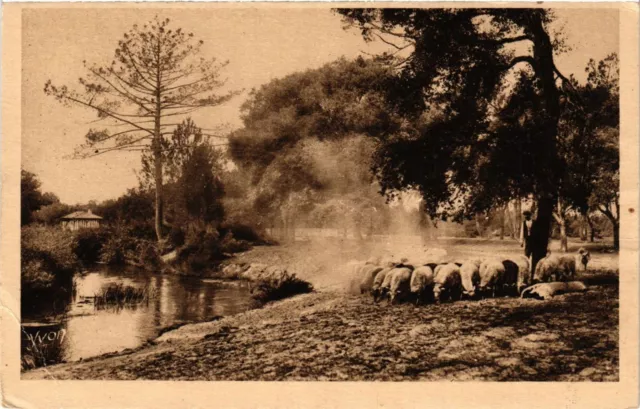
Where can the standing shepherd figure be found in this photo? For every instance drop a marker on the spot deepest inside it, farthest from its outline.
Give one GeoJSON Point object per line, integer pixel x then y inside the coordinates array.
{"type": "Point", "coordinates": [526, 238]}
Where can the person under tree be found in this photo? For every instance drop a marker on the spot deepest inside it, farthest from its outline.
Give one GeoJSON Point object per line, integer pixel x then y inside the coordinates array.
{"type": "Point", "coordinates": [525, 233]}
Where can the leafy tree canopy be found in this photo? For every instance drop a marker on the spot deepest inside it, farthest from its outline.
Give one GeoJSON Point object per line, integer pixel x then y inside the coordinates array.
{"type": "Point", "coordinates": [480, 88]}
{"type": "Point", "coordinates": [339, 99]}
{"type": "Point", "coordinates": [31, 198]}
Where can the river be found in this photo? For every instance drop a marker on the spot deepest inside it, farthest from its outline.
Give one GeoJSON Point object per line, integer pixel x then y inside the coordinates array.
{"type": "Point", "coordinates": [79, 330]}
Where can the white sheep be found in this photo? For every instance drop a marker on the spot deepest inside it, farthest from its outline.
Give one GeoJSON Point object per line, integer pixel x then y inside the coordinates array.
{"type": "Point", "coordinates": [470, 277]}
{"type": "Point", "coordinates": [378, 281]}
{"type": "Point", "coordinates": [368, 274]}
{"type": "Point", "coordinates": [491, 276]}
{"type": "Point", "coordinates": [560, 267]}
{"type": "Point", "coordinates": [546, 268]}
{"type": "Point", "coordinates": [399, 287]}
{"type": "Point", "coordinates": [421, 283]}
{"type": "Point", "coordinates": [546, 291]}
{"type": "Point", "coordinates": [355, 271]}
{"type": "Point", "coordinates": [568, 264]}
{"type": "Point", "coordinates": [447, 282]}
{"type": "Point", "coordinates": [386, 284]}
{"type": "Point", "coordinates": [524, 271]}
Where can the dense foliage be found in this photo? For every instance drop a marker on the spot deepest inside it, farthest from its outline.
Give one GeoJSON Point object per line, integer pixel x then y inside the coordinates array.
{"type": "Point", "coordinates": [483, 100]}
{"type": "Point", "coordinates": [31, 198]}
{"type": "Point", "coordinates": [303, 150]}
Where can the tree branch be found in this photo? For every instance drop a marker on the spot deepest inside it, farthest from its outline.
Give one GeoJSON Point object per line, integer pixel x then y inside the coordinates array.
{"type": "Point", "coordinates": [135, 66]}
{"type": "Point", "coordinates": [607, 212]}
{"type": "Point", "coordinates": [108, 113]}
{"type": "Point", "coordinates": [503, 41]}
{"type": "Point", "coordinates": [397, 47]}
{"type": "Point", "coordinates": [123, 93]}
{"type": "Point", "coordinates": [522, 58]}
{"type": "Point", "coordinates": [391, 33]}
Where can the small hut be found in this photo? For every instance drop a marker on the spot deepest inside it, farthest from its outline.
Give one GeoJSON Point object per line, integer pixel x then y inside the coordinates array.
{"type": "Point", "coordinates": [80, 220]}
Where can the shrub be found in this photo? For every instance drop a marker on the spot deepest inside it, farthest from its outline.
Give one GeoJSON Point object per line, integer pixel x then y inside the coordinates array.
{"type": "Point", "coordinates": [149, 255]}
{"type": "Point", "coordinates": [230, 245]}
{"type": "Point", "coordinates": [176, 237]}
{"type": "Point", "coordinates": [57, 243]}
{"type": "Point", "coordinates": [48, 264]}
{"type": "Point", "coordinates": [241, 232]}
{"type": "Point", "coordinates": [142, 230]}
{"type": "Point", "coordinates": [279, 286]}
{"type": "Point", "coordinates": [35, 274]}
{"type": "Point", "coordinates": [201, 250]}
{"type": "Point", "coordinates": [89, 243]}
{"type": "Point", "coordinates": [120, 245]}
{"type": "Point", "coordinates": [51, 214]}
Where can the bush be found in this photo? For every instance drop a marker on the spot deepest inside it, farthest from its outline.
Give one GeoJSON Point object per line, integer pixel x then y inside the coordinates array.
{"type": "Point", "coordinates": [57, 243]}
{"type": "Point", "coordinates": [278, 286]}
{"type": "Point", "coordinates": [149, 255]}
{"type": "Point", "coordinates": [241, 232]}
{"type": "Point", "coordinates": [141, 230]}
{"type": "Point", "coordinates": [52, 213]}
{"type": "Point", "coordinates": [120, 245]}
{"type": "Point", "coordinates": [230, 245]}
{"type": "Point", "coordinates": [89, 243]}
{"type": "Point", "coordinates": [48, 264]}
{"type": "Point", "coordinates": [202, 249]}
{"type": "Point", "coordinates": [176, 237]}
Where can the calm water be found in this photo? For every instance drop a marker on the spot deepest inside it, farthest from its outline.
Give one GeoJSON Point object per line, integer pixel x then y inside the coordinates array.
{"type": "Point", "coordinates": [79, 330]}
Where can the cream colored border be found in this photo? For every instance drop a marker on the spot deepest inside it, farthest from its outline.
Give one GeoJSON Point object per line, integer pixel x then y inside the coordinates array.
{"type": "Point", "coordinates": [120, 394]}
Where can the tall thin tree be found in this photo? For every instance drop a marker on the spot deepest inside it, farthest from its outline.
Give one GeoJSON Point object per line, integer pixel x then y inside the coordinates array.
{"type": "Point", "coordinates": [156, 75]}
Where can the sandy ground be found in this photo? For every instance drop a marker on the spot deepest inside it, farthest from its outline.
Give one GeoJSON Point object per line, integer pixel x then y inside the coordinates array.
{"type": "Point", "coordinates": [333, 335]}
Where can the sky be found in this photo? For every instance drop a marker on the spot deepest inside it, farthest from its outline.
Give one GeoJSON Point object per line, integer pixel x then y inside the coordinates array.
{"type": "Point", "coordinates": [260, 45]}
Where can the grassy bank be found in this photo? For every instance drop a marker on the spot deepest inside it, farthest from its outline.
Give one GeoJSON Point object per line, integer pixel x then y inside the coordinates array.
{"type": "Point", "coordinates": [328, 336]}
{"type": "Point", "coordinates": [334, 335]}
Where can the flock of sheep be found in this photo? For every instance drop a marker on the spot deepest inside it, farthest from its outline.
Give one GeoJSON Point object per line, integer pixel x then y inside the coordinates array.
{"type": "Point", "coordinates": [475, 278]}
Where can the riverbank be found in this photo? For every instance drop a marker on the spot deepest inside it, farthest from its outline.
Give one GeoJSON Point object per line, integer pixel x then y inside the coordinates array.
{"type": "Point", "coordinates": [333, 335]}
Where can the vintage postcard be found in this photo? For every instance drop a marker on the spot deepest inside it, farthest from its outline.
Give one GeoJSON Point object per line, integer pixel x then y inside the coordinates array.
{"type": "Point", "coordinates": [266, 205]}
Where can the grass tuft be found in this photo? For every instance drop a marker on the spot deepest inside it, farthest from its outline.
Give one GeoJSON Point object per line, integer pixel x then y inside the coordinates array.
{"type": "Point", "coordinates": [118, 294]}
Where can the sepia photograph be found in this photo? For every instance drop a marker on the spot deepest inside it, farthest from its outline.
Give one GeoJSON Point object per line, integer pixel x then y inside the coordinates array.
{"type": "Point", "coordinates": [329, 193]}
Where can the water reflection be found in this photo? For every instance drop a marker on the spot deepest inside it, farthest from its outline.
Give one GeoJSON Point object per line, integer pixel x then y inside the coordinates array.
{"type": "Point", "coordinates": [83, 331]}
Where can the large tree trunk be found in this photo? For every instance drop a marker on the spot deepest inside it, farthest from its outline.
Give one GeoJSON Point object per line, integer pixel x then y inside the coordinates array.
{"type": "Point", "coordinates": [592, 230]}
{"type": "Point", "coordinates": [615, 222]}
{"type": "Point", "coordinates": [564, 246]}
{"type": "Point", "coordinates": [583, 228]}
{"type": "Point", "coordinates": [548, 166]}
{"type": "Point", "coordinates": [479, 228]}
{"type": "Point", "coordinates": [516, 219]}
{"type": "Point", "coordinates": [540, 230]}
{"type": "Point", "coordinates": [561, 219]}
